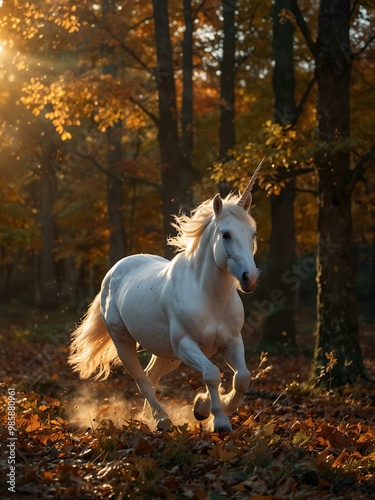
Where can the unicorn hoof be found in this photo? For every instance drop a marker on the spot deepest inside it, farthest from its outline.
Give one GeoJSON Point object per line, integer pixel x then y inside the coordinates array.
{"type": "Point", "coordinates": [222, 425]}
{"type": "Point", "coordinates": [164, 424]}
{"type": "Point", "coordinates": [222, 428]}
{"type": "Point", "coordinates": [201, 407]}
{"type": "Point", "coordinates": [199, 416]}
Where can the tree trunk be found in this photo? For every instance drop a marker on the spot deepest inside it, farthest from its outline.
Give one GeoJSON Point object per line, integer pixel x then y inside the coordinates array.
{"type": "Point", "coordinates": [337, 328]}
{"type": "Point", "coordinates": [176, 176]}
{"type": "Point", "coordinates": [48, 286]}
{"type": "Point", "coordinates": [187, 87]}
{"type": "Point", "coordinates": [283, 80]}
{"type": "Point", "coordinates": [371, 305]}
{"type": "Point", "coordinates": [70, 275]}
{"type": "Point", "coordinates": [7, 271]}
{"type": "Point", "coordinates": [227, 125]}
{"type": "Point", "coordinates": [115, 196]}
{"type": "Point", "coordinates": [279, 332]}
{"type": "Point", "coordinates": [227, 135]}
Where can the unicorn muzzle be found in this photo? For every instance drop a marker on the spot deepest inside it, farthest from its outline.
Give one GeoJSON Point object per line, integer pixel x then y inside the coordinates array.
{"type": "Point", "coordinates": [249, 281]}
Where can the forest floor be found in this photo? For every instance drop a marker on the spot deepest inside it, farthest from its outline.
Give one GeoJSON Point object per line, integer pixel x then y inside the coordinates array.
{"type": "Point", "coordinates": [87, 439]}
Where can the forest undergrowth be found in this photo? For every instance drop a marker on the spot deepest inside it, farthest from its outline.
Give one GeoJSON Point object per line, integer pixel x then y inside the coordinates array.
{"type": "Point", "coordinates": [87, 439]}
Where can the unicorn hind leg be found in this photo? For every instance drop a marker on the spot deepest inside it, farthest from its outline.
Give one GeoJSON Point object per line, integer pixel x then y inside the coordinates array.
{"type": "Point", "coordinates": [158, 367]}
{"type": "Point", "coordinates": [126, 348]}
{"type": "Point", "coordinates": [127, 351]}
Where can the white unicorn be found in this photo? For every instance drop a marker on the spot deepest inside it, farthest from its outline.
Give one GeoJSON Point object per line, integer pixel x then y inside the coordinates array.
{"type": "Point", "coordinates": [183, 310]}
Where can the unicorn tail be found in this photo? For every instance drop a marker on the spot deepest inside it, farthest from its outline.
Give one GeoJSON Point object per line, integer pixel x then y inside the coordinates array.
{"type": "Point", "coordinates": [92, 348]}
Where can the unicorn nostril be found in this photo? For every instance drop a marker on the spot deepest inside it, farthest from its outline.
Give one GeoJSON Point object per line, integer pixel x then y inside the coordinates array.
{"type": "Point", "coordinates": [249, 281]}
{"type": "Point", "coordinates": [246, 277]}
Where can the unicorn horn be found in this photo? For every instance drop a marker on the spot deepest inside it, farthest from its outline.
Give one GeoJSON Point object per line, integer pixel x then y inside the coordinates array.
{"type": "Point", "coordinates": [244, 200]}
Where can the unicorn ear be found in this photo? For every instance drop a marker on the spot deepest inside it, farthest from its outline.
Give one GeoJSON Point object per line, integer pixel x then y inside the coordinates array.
{"type": "Point", "coordinates": [218, 204]}
{"type": "Point", "coordinates": [247, 203]}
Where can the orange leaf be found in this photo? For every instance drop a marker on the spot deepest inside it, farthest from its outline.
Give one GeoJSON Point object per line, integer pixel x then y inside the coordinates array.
{"type": "Point", "coordinates": [309, 422]}
{"type": "Point", "coordinates": [44, 440]}
{"type": "Point", "coordinates": [142, 447]}
{"type": "Point", "coordinates": [33, 423]}
{"type": "Point", "coordinates": [340, 458]}
{"type": "Point", "coordinates": [58, 421]}
{"type": "Point", "coordinates": [48, 476]}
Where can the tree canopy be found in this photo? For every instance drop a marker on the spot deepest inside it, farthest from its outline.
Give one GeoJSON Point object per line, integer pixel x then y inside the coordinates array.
{"type": "Point", "coordinates": [90, 149]}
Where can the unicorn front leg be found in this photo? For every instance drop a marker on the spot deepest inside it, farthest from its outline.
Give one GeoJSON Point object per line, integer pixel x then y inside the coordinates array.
{"type": "Point", "coordinates": [234, 356]}
{"type": "Point", "coordinates": [189, 353]}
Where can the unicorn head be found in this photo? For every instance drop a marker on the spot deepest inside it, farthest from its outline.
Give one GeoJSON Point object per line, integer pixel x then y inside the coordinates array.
{"type": "Point", "coordinates": [235, 233]}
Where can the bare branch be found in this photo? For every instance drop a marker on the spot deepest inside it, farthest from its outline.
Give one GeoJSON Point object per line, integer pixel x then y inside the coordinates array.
{"type": "Point", "coordinates": [361, 165]}
{"type": "Point", "coordinates": [308, 191]}
{"type": "Point", "coordinates": [303, 100]}
{"type": "Point", "coordinates": [120, 178]}
{"type": "Point", "coordinates": [153, 117]}
{"type": "Point", "coordinates": [134, 55]}
{"type": "Point", "coordinates": [354, 6]}
{"type": "Point", "coordinates": [198, 9]}
{"type": "Point", "coordinates": [135, 26]}
{"type": "Point", "coordinates": [362, 49]}
{"type": "Point", "coordinates": [304, 28]}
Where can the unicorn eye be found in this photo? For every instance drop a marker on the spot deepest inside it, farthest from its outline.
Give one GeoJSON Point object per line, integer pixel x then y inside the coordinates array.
{"type": "Point", "coordinates": [225, 235]}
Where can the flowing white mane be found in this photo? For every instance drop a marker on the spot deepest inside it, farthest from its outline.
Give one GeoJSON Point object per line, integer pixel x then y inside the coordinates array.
{"type": "Point", "coordinates": [190, 229]}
